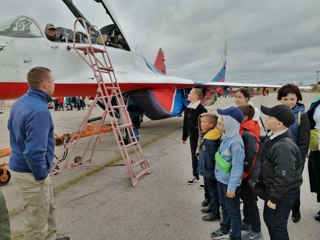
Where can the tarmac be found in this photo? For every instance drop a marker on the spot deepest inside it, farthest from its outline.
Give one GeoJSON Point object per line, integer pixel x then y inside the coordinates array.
{"type": "Point", "coordinates": [100, 205]}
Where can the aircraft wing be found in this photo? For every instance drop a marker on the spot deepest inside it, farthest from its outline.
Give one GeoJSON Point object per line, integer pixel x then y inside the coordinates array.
{"type": "Point", "coordinates": [236, 85]}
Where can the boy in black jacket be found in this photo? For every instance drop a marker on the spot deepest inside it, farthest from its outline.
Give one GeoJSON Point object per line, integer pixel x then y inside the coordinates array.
{"type": "Point", "coordinates": [291, 96]}
{"type": "Point", "coordinates": [190, 128]}
{"type": "Point", "coordinates": [281, 165]}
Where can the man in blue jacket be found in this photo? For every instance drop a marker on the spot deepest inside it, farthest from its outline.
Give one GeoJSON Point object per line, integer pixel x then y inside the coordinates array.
{"type": "Point", "coordinates": [32, 142]}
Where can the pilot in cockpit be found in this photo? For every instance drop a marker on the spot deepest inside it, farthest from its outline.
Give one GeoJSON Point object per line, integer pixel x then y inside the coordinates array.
{"type": "Point", "coordinates": [51, 32]}
{"type": "Point", "coordinates": [58, 34]}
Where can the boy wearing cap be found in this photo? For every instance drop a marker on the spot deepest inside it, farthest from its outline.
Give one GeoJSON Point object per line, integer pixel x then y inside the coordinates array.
{"type": "Point", "coordinates": [291, 96]}
{"type": "Point", "coordinates": [228, 172]}
{"type": "Point", "coordinates": [281, 168]}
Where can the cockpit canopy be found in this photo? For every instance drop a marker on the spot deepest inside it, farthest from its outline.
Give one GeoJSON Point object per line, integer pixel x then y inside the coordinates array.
{"type": "Point", "coordinates": [21, 27]}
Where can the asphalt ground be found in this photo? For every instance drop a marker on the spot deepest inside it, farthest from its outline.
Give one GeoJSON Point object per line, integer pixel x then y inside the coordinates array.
{"type": "Point", "coordinates": [104, 205]}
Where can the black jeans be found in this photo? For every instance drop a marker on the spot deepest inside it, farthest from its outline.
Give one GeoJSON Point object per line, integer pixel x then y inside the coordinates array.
{"type": "Point", "coordinates": [206, 191]}
{"type": "Point", "coordinates": [296, 205]}
{"type": "Point", "coordinates": [211, 184]}
{"type": "Point", "coordinates": [193, 148]}
{"type": "Point", "coordinates": [251, 214]}
{"type": "Point", "coordinates": [277, 220]}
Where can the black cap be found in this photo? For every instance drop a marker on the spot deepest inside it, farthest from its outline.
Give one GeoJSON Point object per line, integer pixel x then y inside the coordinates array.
{"type": "Point", "coordinates": [283, 113]}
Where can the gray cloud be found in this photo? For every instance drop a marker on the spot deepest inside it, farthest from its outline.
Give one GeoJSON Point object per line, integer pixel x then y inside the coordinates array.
{"type": "Point", "coordinates": [268, 41]}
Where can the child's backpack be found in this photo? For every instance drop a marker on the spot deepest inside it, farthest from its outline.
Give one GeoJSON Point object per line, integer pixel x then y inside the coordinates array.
{"type": "Point", "coordinates": [314, 140]}
{"type": "Point", "coordinates": [249, 163]}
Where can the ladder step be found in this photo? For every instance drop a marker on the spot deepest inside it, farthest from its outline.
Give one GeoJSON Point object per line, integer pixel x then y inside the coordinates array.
{"type": "Point", "coordinates": [88, 49]}
{"type": "Point", "coordinates": [125, 125]}
{"type": "Point", "coordinates": [119, 106]}
{"type": "Point", "coordinates": [142, 172]}
{"type": "Point", "coordinates": [139, 162]}
{"type": "Point", "coordinates": [112, 88]}
{"type": "Point", "coordinates": [95, 49]}
{"type": "Point", "coordinates": [85, 49]}
{"type": "Point", "coordinates": [103, 97]}
{"type": "Point", "coordinates": [131, 144]}
{"type": "Point", "coordinates": [107, 69]}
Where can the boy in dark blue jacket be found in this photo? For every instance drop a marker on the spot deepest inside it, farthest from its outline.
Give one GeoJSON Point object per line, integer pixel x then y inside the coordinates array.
{"type": "Point", "coordinates": [208, 147]}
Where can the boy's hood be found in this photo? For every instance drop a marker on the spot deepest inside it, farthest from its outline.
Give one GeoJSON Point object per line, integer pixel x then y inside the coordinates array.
{"type": "Point", "coordinates": [213, 134]}
{"type": "Point", "coordinates": [252, 126]}
{"type": "Point", "coordinates": [231, 126]}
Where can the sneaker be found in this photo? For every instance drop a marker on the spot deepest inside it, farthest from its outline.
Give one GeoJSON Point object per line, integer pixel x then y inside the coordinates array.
{"type": "Point", "coordinates": [252, 235]}
{"type": "Point", "coordinates": [211, 218]}
{"type": "Point", "coordinates": [63, 238]}
{"type": "Point", "coordinates": [193, 181]}
{"type": "Point", "coordinates": [207, 209]}
{"type": "Point", "coordinates": [220, 234]}
{"type": "Point", "coordinates": [205, 202]}
{"type": "Point", "coordinates": [317, 216]}
{"type": "Point", "coordinates": [296, 216]}
{"type": "Point", "coordinates": [245, 227]}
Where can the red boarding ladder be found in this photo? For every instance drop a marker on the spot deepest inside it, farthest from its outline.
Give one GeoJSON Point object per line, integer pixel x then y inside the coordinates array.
{"type": "Point", "coordinates": [109, 93]}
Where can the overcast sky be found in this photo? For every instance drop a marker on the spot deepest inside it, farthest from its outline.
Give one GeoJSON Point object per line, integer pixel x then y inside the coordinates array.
{"type": "Point", "coordinates": [271, 41]}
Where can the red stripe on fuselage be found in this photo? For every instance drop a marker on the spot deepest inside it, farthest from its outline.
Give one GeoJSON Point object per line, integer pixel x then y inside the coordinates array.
{"type": "Point", "coordinates": [13, 90]}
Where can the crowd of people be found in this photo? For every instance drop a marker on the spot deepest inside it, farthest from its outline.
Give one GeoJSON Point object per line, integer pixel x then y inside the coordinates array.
{"type": "Point", "coordinates": [70, 103]}
{"type": "Point", "coordinates": [239, 162]}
